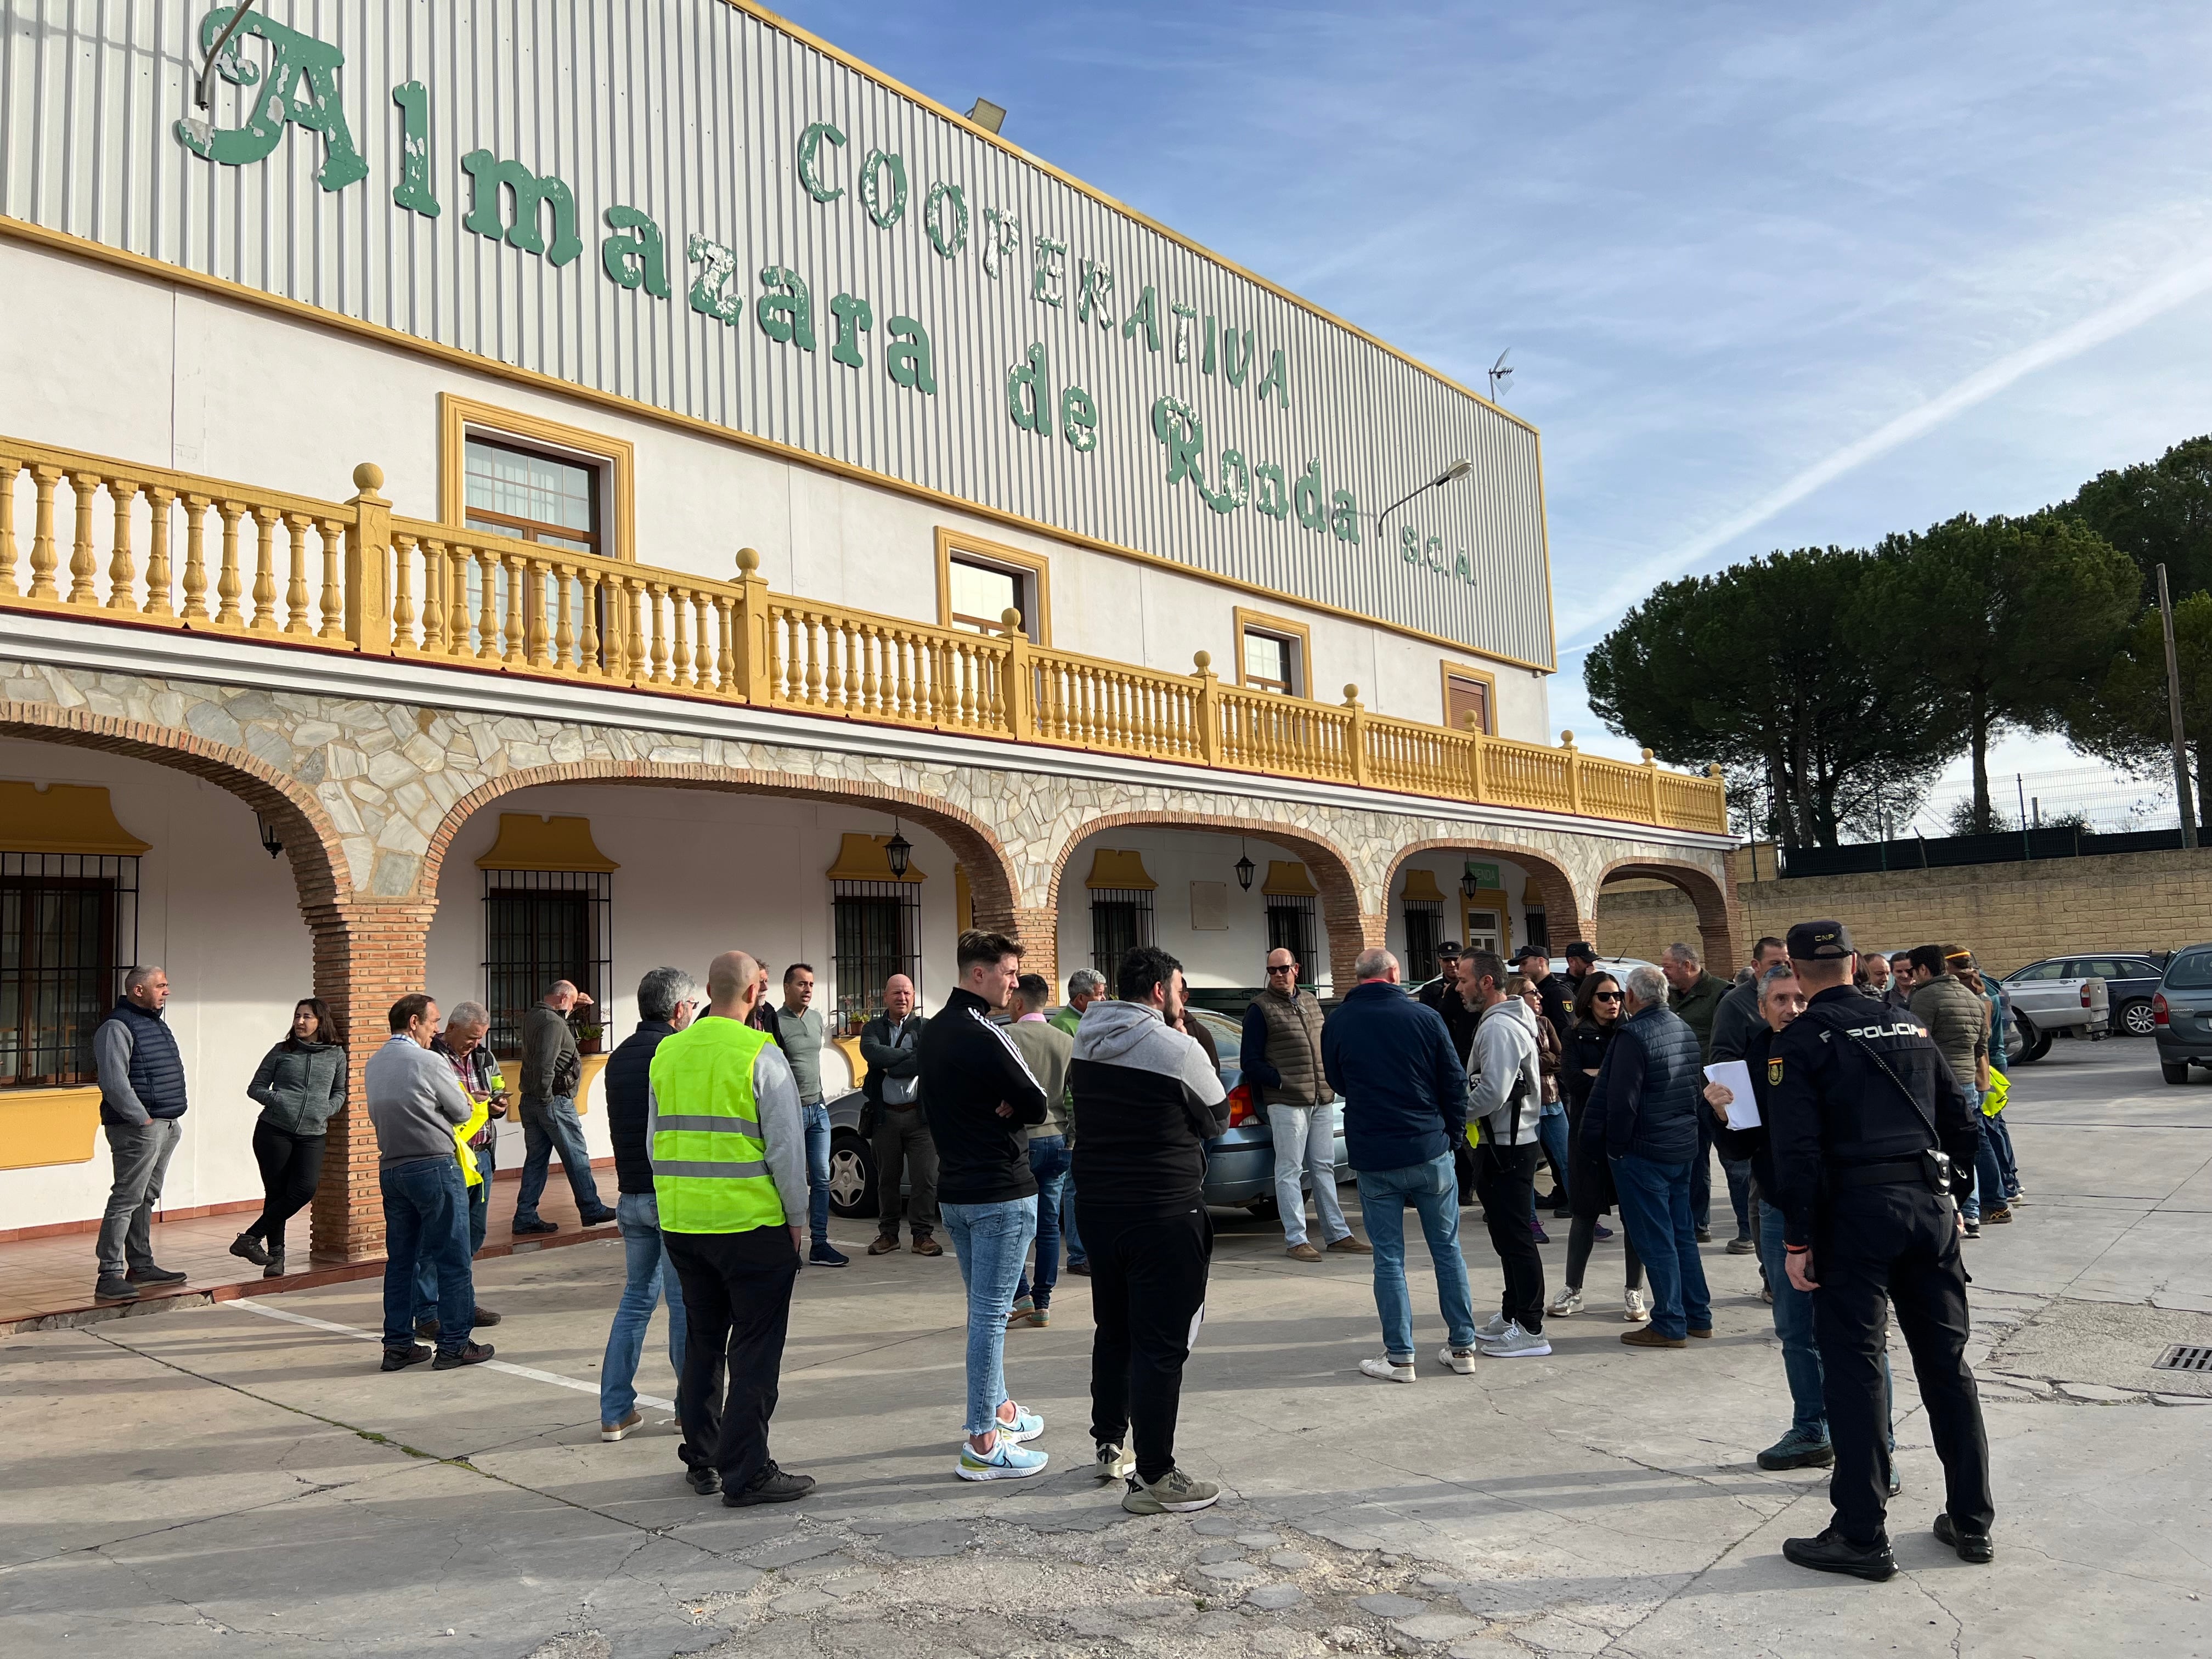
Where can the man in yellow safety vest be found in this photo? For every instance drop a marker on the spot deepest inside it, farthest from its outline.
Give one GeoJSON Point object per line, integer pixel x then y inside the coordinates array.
{"type": "Point", "coordinates": [729, 1175]}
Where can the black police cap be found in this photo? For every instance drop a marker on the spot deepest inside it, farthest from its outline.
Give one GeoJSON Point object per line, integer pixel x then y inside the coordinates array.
{"type": "Point", "coordinates": [1448, 948]}
{"type": "Point", "coordinates": [1819, 941]}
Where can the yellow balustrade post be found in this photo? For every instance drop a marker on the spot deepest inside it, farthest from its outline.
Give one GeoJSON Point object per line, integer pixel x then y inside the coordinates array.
{"type": "Point", "coordinates": [122, 567]}
{"type": "Point", "coordinates": [1719, 823]}
{"type": "Point", "coordinates": [265, 570]}
{"type": "Point", "coordinates": [1475, 782]}
{"type": "Point", "coordinates": [8, 471]}
{"type": "Point", "coordinates": [1208, 704]}
{"type": "Point", "coordinates": [1358, 738]}
{"type": "Point", "coordinates": [157, 554]}
{"type": "Point", "coordinates": [1020, 714]}
{"type": "Point", "coordinates": [82, 563]}
{"type": "Point", "coordinates": [196, 508]}
{"type": "Point", "coordinates": [403, 596]}
{"type": "Point", "coordinates": [368, 562]}
{"type": "Point", "coordinates": [1574, 772]}
{"type": "Point", "coordinates": [332, 603]}
{"type": "Point", "coordinates": [227, 584]}
{"type": "Point", "coordinates": [295, 584]}
{"type": "Point", "coordinates": [43, 554]}
{"type": "Point", "coordinates": [750, 645]}
{"type": "Point", "coordinates": [1651, 788]}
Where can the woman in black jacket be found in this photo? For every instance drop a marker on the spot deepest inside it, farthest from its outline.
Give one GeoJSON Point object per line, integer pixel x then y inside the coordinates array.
{"type": "Point", "coordinates": [300, 1083]}
{"type": "Point", "coordinates": [1590, 1184]}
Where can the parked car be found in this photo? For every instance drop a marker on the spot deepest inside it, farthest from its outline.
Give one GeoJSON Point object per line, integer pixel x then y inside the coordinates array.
{"type": "Point", "coordinates": [1240, 1164]}
{"type": "Point", "coordinates": [2057, 994]}
{"type": "Point", "coordinates": [2181, 1013]}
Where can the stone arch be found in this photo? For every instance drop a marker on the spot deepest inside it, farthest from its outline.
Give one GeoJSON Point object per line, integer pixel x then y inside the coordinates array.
{"type": "Point", "coordinates": [1710, 895]}
{"type": "Point", "coordinates": [992, 883]}
{"type": "Point", "coordinates": [1350, 928]}
{"type": "Point", "coordinates": [1560, 900]}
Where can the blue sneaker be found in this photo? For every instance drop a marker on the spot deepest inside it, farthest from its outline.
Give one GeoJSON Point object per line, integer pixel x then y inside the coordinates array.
{"type": "Point", "coordinates": [1025, 1425]}
{"type": "Point", "coordinates": [1005, 1461]}
{"type": "Point", "coordinates": [826, 1255]}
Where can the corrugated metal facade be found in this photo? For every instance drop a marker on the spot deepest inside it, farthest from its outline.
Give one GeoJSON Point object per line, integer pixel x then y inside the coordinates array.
{"type": "Point", "coordinates": [691, 111]}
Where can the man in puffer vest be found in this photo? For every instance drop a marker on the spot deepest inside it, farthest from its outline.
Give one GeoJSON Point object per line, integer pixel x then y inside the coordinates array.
{"type": "Point", "coordinates": [141, 1106]}
{"type": "Point", "coordinates": [1280, 1058]}
{"type": "Point", "coordinates": [729, 1178]}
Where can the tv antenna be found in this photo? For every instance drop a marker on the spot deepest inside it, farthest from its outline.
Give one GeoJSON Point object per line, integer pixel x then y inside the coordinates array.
{"type": "Point", "coordinates": [1499, 376]}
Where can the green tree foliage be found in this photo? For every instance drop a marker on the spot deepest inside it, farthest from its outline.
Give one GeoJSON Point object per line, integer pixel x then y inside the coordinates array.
{"type": "Point", "coordinates": [1783, 670]}
{"type": "Point", "coordinates": [2123, 717]}
{"type": "Point", "coordinates": [2010, 617]}
{"type": "Point", "coordinates": [2157, 513]}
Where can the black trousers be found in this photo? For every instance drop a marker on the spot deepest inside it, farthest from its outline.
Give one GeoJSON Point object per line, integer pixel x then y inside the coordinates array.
{"type": "Point", "coordinates": [736, 1308]}
{"type": "Point", "coordinates": [1505, 1187]}
{"type": "Point", "coordinates": [1148, 1295]}
{"type": "Point", "coordinates": [1895, 1245]}
{"type": "Point", "coordinates": [291, 1170]}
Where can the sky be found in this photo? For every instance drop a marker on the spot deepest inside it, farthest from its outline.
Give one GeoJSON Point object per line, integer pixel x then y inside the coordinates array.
{"type": "Point", "coordinates": [1771, 276]}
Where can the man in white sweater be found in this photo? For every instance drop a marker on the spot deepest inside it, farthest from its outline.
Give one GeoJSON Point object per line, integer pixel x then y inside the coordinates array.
{"type": "Point", "coordinates": [415, 1104]}
{"type": "Point", "coordinates": [1506, 1096]}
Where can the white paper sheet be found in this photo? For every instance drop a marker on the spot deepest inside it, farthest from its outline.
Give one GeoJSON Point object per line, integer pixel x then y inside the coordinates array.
{"type": "Point", "coordinates": [1735, 1077]}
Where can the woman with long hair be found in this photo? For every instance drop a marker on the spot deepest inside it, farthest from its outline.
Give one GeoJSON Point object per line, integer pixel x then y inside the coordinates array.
{"type": "Point", "coordinates": [299, 1084]}
{"type": "Point", "coordinates": [1598, 1016]}
{"type": "Point", "coordinates": [1551, 1125]}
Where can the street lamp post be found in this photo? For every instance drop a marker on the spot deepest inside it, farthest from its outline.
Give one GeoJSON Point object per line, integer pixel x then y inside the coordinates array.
{"type": "Point", "coordinates": [1457, 469]}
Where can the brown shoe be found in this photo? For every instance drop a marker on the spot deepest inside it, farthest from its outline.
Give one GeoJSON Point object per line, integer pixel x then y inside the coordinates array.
{"type": "Point", "coordinates": [881, 1246]}
{"type": "Point", "coordinates": [1302, 1252]}
{"type": "Point", "coordinates": [1705, 1333]}
{"type": "Point", "coordinates": [926, 1245]}
{"type": "Point", "coordinates": [1996, 1217]}
{"type": "Point", "coordinates": [1645, 1337]}
{"type": "Point", "coordinates": [1352, 1244]}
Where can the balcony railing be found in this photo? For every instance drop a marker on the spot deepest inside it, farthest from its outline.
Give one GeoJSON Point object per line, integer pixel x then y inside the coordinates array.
{"type": "Point", "coordinates": [223, 558]}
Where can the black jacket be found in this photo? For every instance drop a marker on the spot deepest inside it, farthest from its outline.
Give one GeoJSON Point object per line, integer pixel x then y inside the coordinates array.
{"type": "Point", "coordinates": [1585, 1049]}
{"type": "Point", "coordinates": [1149, 1099]}
{"type": "Point", "coordinates": [1737, 1144]}
{"type": "Point", "coordinates": [627, 1077]}
{"type": "Point", "coordinates": [1650, 1090]}
{"type": "Point", "coordinates": [1441, 996]}
{"type": "Point", "coordinates": [885, 1058]}
{"type": "Point", "coordinates": [1404, 1089]}
{"type": "Point", "coordinates": [969, 1068]}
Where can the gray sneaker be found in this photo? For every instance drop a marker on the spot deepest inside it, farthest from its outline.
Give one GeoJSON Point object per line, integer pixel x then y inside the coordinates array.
{"type": "Point", "coordinates": [1171, 1494]}
{"type": "Point", "coordinates": [1515, 1344]}
{"type": "Point", "coordinates": [1492, 1328]}
{"type": "Point", "coordinates": [1113, 1462]}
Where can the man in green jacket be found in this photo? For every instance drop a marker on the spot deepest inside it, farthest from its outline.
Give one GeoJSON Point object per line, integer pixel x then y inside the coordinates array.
{"type": "Point", "coordinates": [1085, 987]}
{"type": "Point", "coordinates": [1695, 996]}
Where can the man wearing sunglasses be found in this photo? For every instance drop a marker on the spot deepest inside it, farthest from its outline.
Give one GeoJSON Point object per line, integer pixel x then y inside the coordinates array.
{"type": "Point", "coordinates": [1280, 1055]}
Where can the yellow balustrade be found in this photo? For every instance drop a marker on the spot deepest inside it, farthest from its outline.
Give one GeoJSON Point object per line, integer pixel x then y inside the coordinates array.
{"type": "Point", "coordinates": [349, 575]}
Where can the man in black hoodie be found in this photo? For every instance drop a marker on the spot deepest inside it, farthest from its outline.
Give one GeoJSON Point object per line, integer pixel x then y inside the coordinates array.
{"type": "Point", "coordinates": [980, 1096]}
{"type": "Point", "coordinates": [1148, 1100]}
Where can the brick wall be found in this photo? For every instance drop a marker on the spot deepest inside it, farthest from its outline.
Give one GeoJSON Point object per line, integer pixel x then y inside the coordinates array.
{"type": "Point", "coordinates": [2008, 914]}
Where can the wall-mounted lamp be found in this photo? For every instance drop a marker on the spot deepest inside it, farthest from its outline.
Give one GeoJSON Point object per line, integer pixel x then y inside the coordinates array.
{"type": "Point", "coordinates": [896, 851]}
{"type": "Point", "coordinates": [269, 841]}
{"type": "Point", "coordinates": [1245, 867]}
{"type": "Point", "coordinates": [1469, 887]}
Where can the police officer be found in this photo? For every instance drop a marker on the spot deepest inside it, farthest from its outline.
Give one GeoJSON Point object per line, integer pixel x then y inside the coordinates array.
{"type": "Point", "coordinates": [1864, 1114]}
{"type": "Point", "coordinates": [1442, 994]}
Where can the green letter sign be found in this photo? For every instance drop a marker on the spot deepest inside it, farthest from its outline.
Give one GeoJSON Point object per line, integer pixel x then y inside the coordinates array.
{"type": "Point", "coordinates": [490, 178]}
{"type": "Point", "coordinates": [293, 59]}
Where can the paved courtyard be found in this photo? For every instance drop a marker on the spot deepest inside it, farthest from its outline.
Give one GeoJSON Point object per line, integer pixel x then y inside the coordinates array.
{"type": "Point", "coordinates": [241, 1479]}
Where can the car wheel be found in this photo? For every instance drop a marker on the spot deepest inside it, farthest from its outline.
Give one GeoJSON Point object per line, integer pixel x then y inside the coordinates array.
{"type": "Point", "coordinates": [2136, 1019]}
{"type": "Point", "coordinates": [2033, 1045]}
{"type": "Point", "coordinates": [2174, 1071]}
{"type": "Point", "coordinates": [852, 1176]}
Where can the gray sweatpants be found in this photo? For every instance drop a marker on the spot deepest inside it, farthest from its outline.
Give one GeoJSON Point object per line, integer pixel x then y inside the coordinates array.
{"type": "Point", "coordinates": [142, 1157]}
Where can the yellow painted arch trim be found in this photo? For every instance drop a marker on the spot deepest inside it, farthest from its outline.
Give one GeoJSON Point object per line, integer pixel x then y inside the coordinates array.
{"type": "Point", "coordinates": [1119, 870]}
{"type": "Point", "coordinates": [63, 818]}
{"type": "Point", "coordinates": [527, 841]}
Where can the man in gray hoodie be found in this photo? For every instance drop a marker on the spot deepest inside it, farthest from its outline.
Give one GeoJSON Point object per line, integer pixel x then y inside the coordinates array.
{"type": "Point", "coordinates": [1148, 1101]}
{"type": "Point", "coordinates": [1506, 1096]}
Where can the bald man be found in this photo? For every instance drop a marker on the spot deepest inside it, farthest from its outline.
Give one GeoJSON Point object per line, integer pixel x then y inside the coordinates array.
{"type": "Point", "coordinates": [900, 1133]}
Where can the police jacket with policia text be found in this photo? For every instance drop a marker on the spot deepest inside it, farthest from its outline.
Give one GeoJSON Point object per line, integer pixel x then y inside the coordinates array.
{"type": "Point", "coordinates": [1833, 1108]}
{"type": "Point", "coordinates": [969, 1068]}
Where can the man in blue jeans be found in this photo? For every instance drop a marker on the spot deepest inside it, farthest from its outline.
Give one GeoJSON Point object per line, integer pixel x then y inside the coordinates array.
{"type": "Point", "coordinates": [667, 1000]}
{"type": "Point", "coordinates": [1085, 987]}
{"type": "Point", "coordinates": [1648, 1094]}
{"type": "Point", "coordinates": [552, 1070]}
{"type": "Point", "coordinates": [461, 1046]}
{"type": "Point", "coordinates": [980, 1096]}
{"type": "Point", "coordinates": [1405, 1108]}
{"type": "Point", "coordinates": [799, 1030]}
{"type": "Point", "coordinates": [1046, 1050]}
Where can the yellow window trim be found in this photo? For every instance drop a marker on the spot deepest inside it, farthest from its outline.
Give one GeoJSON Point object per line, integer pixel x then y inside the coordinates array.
{"type": "Point", "coordinates": [42, 1127]}
{"type": "Point", "coordinates": [1421, 887]}
{"type": "Point", "coordinates": [457, 416]}
{"type": "Point", "coordinates": [1452, 670]}
{"type": "Point", "coordinates": [1036, 565]}
{"type": "Point", "coordinates": [1119, 870]}
{"type": "Point", "coordinates": [528, 842]}
{"type": "Point", "coordinates": [1300, 632]}
{"type": "Point", "coordinates": [860, 857]}
{"type": "Point", "coordinates": [63, 818]}
{"type": "Point", "coordinates": [1288, 878]}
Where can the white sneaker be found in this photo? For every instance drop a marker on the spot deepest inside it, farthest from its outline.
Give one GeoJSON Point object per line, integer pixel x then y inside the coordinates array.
{"type": "Point", "coordinates": [1388, 1368]}
{"type": "Point", "coordinates": [1569, 1301]}
{"type": "Point", "coordinates": [1113, 1462]}
{"type": "Point", "coordinates": [1515, 1344]}
{"type": "Point", "coordinates": [1494, 1325]}
{"type": "Point", "coordinates": [1005, 1461]}
{"type": "Point", "coordinates": [1458, 1359]}
{"type": "Point", "coordinates": [1635, 1307]}
{"type": "Point", "coordinates": [1024, 1426]}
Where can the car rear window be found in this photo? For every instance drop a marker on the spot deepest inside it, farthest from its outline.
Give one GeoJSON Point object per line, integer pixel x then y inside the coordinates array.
{"type": "Point", "coordinates": [2190, 971]}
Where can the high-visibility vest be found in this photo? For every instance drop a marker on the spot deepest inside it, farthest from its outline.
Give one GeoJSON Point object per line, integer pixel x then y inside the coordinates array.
{"type": "Point", "coordinates": [709, 1162]}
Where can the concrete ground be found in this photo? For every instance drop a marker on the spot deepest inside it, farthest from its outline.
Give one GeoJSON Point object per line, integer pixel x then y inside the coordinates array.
{"type": "Point", "coordinates": [241, 1478]}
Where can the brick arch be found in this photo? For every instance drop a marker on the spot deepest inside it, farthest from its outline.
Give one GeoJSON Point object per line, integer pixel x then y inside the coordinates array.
{"type": "Point", "coordinates": [1350, 929]}
{"type": "Point", "coordinates": [1564, 918]}
{"type": "Point", "coordinates": [1708, 893]}
{"type": "Point", "coordinates": [992, 883]}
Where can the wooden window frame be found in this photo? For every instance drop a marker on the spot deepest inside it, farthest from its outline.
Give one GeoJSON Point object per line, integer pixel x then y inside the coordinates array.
{"type": "Point", "coordinates": [1299, 633]}
{"type": "Point", "coordinates": [614, 458]}
{"type": "Point", "coordinates": [1035, 566]}
{"type": "Point", "coordinates": [1452, 670]}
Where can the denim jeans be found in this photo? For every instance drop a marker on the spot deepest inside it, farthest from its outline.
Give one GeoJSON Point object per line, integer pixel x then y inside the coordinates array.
{"type": "Point", "coordinates": [817, 1119]}
{"type": "Point", "coordinates": [990, 1241]}
{"type": "Point", "coordinates": [426, 1218]}
{"type": "Point", "coordinates": [1077, 1256]}
{"type": "Point", "coordinates": [141, 1156]}
{"type": "Point", "coordinates": [1050, 1162]}
{"type": "Point", "coordinates": [1990, 1190]}
{"type": "Point", "coordinates": [1305, 1141]}
{"type": "Point", "coordinates": [1552, 1136]}
{"type": "Point", "coordinates": [426, 1274]}
{"type": "Point", "coordinates": [550, 1126]}
{"type": "Point", "coordinates": [1654, 1203]}
{"type": "Point", "coordinates": [2001, 1139]}
{"type": "Point", "coordinates": [1432, 1188]}
{"type": "Point", "coordinates": [649, 1276]}
{"type": "Point", "coordinates": [1793, 1324]}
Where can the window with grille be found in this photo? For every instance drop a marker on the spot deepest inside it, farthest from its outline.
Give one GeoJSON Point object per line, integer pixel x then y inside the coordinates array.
{"type": "Point", "coordinates": [69, 931]}
{"type": "Point", "coordinates": [875, 932]}
{"type": "Point", "coordinates": [542, 926]}
{"type": "Point", "coordinates": [1121, 920]}
{"type": "Point", "coordinates": [1291, 928]}
{"type": "Point", "coordinates": [531, 495]}
{"type": "Point", "coordinates": [1425, 930]}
